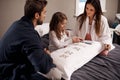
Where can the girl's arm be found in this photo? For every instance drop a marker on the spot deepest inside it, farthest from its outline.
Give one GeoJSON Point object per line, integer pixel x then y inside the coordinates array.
{"type": "Point", "coordinates": [59, 43]}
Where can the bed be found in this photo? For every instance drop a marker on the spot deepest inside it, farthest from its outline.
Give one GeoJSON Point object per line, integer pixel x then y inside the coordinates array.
{"type": "Point", "coordinates": [99, 68]}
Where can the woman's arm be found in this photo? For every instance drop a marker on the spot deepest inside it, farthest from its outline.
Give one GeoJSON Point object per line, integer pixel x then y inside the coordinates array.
{"type": "Point", "coordinates": [105, 32]}
{"type": "Point", "coordinates": [106, 37]}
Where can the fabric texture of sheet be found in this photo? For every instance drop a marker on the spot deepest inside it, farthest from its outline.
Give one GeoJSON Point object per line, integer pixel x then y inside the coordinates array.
{"type": "Point", "coordinates": [75, 56]}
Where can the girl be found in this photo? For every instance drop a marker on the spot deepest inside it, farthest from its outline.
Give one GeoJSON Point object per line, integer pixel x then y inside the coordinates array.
{"type": "Point", "coordinates": [58, 37]}
{"type": "Point", "coordinates": [92, 25]}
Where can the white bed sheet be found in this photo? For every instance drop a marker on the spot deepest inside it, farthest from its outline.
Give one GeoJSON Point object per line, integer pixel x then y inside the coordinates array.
{"type": "Point", "coordinates": [75, 56]}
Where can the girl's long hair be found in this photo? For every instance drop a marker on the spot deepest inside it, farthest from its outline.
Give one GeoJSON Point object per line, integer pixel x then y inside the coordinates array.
{"type": "Point", "coordinates": [57, 18]}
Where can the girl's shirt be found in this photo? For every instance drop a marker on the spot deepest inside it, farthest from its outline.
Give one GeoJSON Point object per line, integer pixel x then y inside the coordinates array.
{"type": "Point", "coordinates": [55, 43]}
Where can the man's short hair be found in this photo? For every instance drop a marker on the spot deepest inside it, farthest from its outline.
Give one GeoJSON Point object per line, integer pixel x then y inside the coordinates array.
{"type": "Point", "coordinates": [33, 6]}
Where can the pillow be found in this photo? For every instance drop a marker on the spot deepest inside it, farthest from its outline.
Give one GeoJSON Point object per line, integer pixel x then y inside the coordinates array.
{"type": "Point", "coordinates": [42, 29]}
{"type": "Point", "coordinates": [117, 29]}
{"type": "Point", "coordinates": [75, 56]}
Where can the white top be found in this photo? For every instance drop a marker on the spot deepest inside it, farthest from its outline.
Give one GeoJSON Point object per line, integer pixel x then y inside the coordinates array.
{"type": "Point", "coordinates": [105, 36]}
{"type": "Point", "coordinates": [55, 43]}
{"type": "Point", "coordinates": [117, 30]}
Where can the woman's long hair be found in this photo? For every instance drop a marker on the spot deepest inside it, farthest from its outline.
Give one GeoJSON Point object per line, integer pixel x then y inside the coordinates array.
{"type": "Point", "coordinates": [98, 13]}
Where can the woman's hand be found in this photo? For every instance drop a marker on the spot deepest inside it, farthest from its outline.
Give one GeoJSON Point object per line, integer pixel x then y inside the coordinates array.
{"type": "Point", "coordinates": [106, 49]}
{"type": "Point", "coordinates": [67, 33]}
{"type": "Point", "coordinates": [104, 52]}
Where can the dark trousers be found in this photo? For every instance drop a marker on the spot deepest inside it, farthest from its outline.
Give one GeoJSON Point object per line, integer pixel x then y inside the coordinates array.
{"type": "Point", "coordinates": [37, 76]}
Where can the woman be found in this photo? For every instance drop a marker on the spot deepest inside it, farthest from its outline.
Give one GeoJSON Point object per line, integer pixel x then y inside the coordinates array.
{"type": "Point", "coordinates": [92, 25]}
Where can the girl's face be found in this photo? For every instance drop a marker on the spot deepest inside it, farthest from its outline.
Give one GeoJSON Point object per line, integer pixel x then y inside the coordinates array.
{"type": "Point", "coordinates": [90, 10]}
{"type": "Point", "coordinates": [62, 25]}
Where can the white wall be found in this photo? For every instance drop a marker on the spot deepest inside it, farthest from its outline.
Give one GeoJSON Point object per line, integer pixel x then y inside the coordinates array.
{"type": "Point", "coordinates": [12, 10]}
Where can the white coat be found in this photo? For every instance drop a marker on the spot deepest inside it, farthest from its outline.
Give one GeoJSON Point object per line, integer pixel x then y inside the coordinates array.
{"type": "Point", "coordinates": [105, 36]}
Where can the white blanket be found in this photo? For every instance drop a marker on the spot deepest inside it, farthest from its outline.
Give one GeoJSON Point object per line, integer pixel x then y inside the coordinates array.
{"type": "Point", "coordinates": [75, 56]}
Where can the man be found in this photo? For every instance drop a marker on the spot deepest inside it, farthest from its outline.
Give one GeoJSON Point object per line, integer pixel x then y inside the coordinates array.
{"type": "Point", "coordinates": [21, 53]}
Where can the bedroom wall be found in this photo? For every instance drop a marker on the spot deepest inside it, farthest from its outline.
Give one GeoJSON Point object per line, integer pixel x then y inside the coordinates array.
{"type": "Point", "coordinates": [9, 12]}
{"type": "Point", "coordinates": [68, 7]}
{"type": "Point", "coordinates": [112, 9]}
{"type": "Point", "coordinates": [118, 6]}
{"type": "Point", "coordinates": [13, 10]}
{"type": "Point", "coordinates": [65, 6]}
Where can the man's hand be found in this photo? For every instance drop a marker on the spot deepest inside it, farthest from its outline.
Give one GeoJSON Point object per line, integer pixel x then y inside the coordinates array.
{"type": "Point", "coordinates": [47, 51]}
{"type": "Point", "coordinates": [54, 74]}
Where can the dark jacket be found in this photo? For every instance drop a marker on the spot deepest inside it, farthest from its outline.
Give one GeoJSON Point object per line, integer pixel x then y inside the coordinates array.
{"type": "Point", "coordinates": [21, 53]}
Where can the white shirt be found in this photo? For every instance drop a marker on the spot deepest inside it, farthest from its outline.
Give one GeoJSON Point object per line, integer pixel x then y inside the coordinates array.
{"type": "Point", "coordinates": [55, 43]}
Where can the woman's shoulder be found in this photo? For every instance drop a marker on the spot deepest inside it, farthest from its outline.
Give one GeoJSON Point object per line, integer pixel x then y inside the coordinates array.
{"type": "Point", "coordinates": [103, 18]}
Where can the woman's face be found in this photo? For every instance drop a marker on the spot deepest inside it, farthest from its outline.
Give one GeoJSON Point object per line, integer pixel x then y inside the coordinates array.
{"type": "Point", "coordinates": [90, 10]}
{"type": "Point", "coordinates": [62, 25]}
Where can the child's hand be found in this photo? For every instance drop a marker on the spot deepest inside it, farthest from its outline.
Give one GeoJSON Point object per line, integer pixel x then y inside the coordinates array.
{"type": "Point", "coordinates": [67, 33]}
{"type": "Point", "coordinates": [76, 39]}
